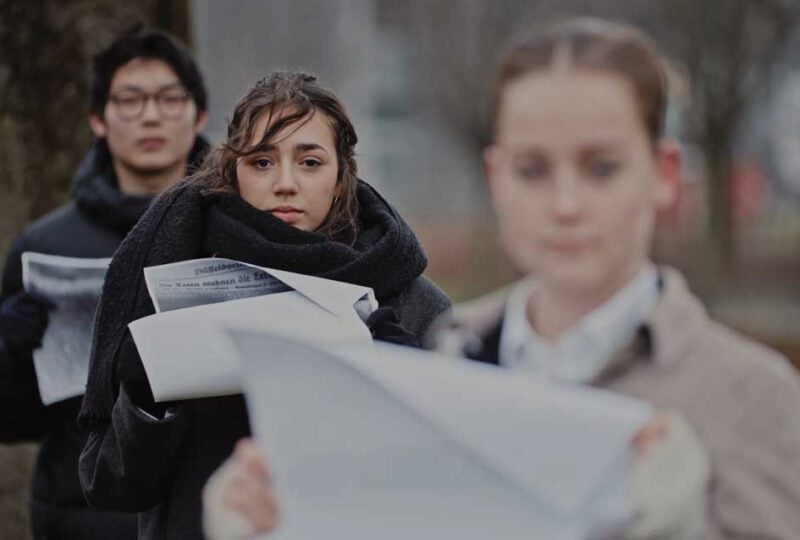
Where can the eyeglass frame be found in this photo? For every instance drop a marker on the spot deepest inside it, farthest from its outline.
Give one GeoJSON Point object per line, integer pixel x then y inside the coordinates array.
{"type": "Point", "coordinates": [145, 98]}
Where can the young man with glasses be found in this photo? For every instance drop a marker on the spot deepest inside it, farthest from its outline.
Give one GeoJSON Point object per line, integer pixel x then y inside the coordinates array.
{"type": "Point", "coordinates": [148, 106]}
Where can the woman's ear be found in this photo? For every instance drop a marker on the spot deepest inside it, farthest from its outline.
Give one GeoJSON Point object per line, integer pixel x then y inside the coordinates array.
{"type": "Point", "coordinates": [668, 165]}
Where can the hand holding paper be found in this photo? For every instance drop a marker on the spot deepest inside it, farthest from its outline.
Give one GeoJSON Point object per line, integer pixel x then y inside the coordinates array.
{"type": "Point", "coordinates": [239, 500]}
{"type": "Point", "coordinates": [74, 286]}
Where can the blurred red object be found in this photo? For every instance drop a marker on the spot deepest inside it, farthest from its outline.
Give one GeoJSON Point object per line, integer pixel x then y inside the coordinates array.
{"type": "Point", "coordinates": [746, 187]}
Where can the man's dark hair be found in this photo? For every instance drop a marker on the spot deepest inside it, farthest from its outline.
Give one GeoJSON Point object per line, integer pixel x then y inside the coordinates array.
{"type": "Point", "coordinates": [149, 44]}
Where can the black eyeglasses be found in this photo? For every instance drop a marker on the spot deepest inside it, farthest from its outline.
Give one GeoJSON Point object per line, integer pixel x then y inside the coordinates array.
{"type": "Point", "coordinates": [130, 104]}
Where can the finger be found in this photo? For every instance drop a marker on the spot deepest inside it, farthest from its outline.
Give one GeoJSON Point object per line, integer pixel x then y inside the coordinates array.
{"type": "Point", "coordinates": [262, 509]}
{"type": "Point", "coordinates": [259, 509]}
{"type": "Point", "coordinates": [241, 483]}
{"type": "Point", "coordinates": [250, 457]}
{"type": "Point", "coordinates": [247, 494]}
{"type": "Point", "coordinates": [655, 431]}
{"type": "Point", "coordinates": [267, 519]}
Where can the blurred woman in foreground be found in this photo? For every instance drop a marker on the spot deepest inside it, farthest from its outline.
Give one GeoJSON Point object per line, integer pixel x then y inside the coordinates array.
{"type": "Point", "coordinates": [578, 171]}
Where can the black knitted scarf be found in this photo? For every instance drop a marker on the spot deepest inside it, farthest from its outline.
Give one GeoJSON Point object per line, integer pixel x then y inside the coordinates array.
{"type": "Point", "coordinates": [185, 223]}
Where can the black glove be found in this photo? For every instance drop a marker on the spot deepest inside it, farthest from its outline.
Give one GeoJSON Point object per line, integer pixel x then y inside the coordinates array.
{"type": "Point", "coordinates": [384, 325]}
{"type": "Point", "coordinates": [23, 319]}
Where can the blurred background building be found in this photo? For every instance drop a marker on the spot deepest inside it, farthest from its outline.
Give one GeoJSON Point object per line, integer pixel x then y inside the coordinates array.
{"type": "Point", "coordinates": [415, 75]}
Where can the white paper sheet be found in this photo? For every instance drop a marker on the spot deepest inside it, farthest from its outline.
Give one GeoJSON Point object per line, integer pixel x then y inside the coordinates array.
{"type": "Point", "coordinates": [393, 443]}
{"type": "Point", "coordinates": [74, 285]}
{"type": "Point", "coordinates": [186, 354]}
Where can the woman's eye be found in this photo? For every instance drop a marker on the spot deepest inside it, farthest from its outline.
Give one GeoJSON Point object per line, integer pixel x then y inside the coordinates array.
{"type": "Point", "coordinates": [311, 163]}
{"type": "Point", "coordinates": [531, 171]}
{"type": "Point", "coordinates": [602, 168]}
{"type": "Point", "coordinates": [261, 163]}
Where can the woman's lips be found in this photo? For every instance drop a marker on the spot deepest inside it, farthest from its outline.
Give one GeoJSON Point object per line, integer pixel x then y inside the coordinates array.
{"type": "Point", "coordinates": [568, 246]}
{"type": "Point", "coordinates": [287, 214]}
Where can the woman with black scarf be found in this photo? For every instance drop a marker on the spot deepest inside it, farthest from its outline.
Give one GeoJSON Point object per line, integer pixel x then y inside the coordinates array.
{"type": "Point", "coordinates": [281, 192]}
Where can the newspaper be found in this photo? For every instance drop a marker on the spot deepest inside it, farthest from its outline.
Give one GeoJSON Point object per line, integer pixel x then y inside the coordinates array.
{"type": "Point", "coordinates": [184, 349]}
{"type": "Point", "coordinates": [74, 286]}
{"type": "Point", "coordinates": [200, 282]}
{"type": "Point", "coordinates": [393, 443]}
{"type": "Point", "coordinates": [211, 280]}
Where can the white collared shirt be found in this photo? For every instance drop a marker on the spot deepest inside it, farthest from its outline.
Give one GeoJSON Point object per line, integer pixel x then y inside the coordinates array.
{"type": "Point", "coordinates": [584, 350]}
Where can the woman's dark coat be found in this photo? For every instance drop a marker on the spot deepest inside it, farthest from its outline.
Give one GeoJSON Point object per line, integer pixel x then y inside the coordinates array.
{"type": "Point", "coordinates": [135, 461]}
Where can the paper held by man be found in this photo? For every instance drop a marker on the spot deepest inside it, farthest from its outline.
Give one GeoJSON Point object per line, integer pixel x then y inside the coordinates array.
{"type": "Point", "coordinates": [74, 286]}
{"type": "Point", "coordinates": [184, 349]}
{"type": "Point", "coordinates": [388, 442]}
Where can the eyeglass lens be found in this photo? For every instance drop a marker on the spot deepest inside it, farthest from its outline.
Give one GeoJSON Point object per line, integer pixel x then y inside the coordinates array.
{"type": "Point", "coordinates": [131, 103]}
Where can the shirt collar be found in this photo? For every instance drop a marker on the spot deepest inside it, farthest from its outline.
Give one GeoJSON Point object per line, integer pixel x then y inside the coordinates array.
{"type": "Point", "coordinates": [516, 328]}
{"type": "Point", "coordinates": [585, 349]}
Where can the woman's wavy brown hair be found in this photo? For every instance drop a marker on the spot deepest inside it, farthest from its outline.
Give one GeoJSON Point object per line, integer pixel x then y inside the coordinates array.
{"type": "Point", "coordinates": [288, 98]}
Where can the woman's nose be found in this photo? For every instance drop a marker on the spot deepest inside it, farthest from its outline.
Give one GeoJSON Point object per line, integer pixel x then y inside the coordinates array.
{"type": "Point", "coordinates": [567, 200]}
{"type": "Point", "coordinates": [285, 181]}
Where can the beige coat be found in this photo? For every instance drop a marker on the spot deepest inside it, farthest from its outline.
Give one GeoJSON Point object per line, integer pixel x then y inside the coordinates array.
{"type": "Point", "coordinates": [741, 398]}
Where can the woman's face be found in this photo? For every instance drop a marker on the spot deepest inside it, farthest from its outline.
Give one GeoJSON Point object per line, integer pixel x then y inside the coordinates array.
{"type": "Point", "coordinates": [293, 178]}
{"type": "Point", "coordinates": [575, 180]}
